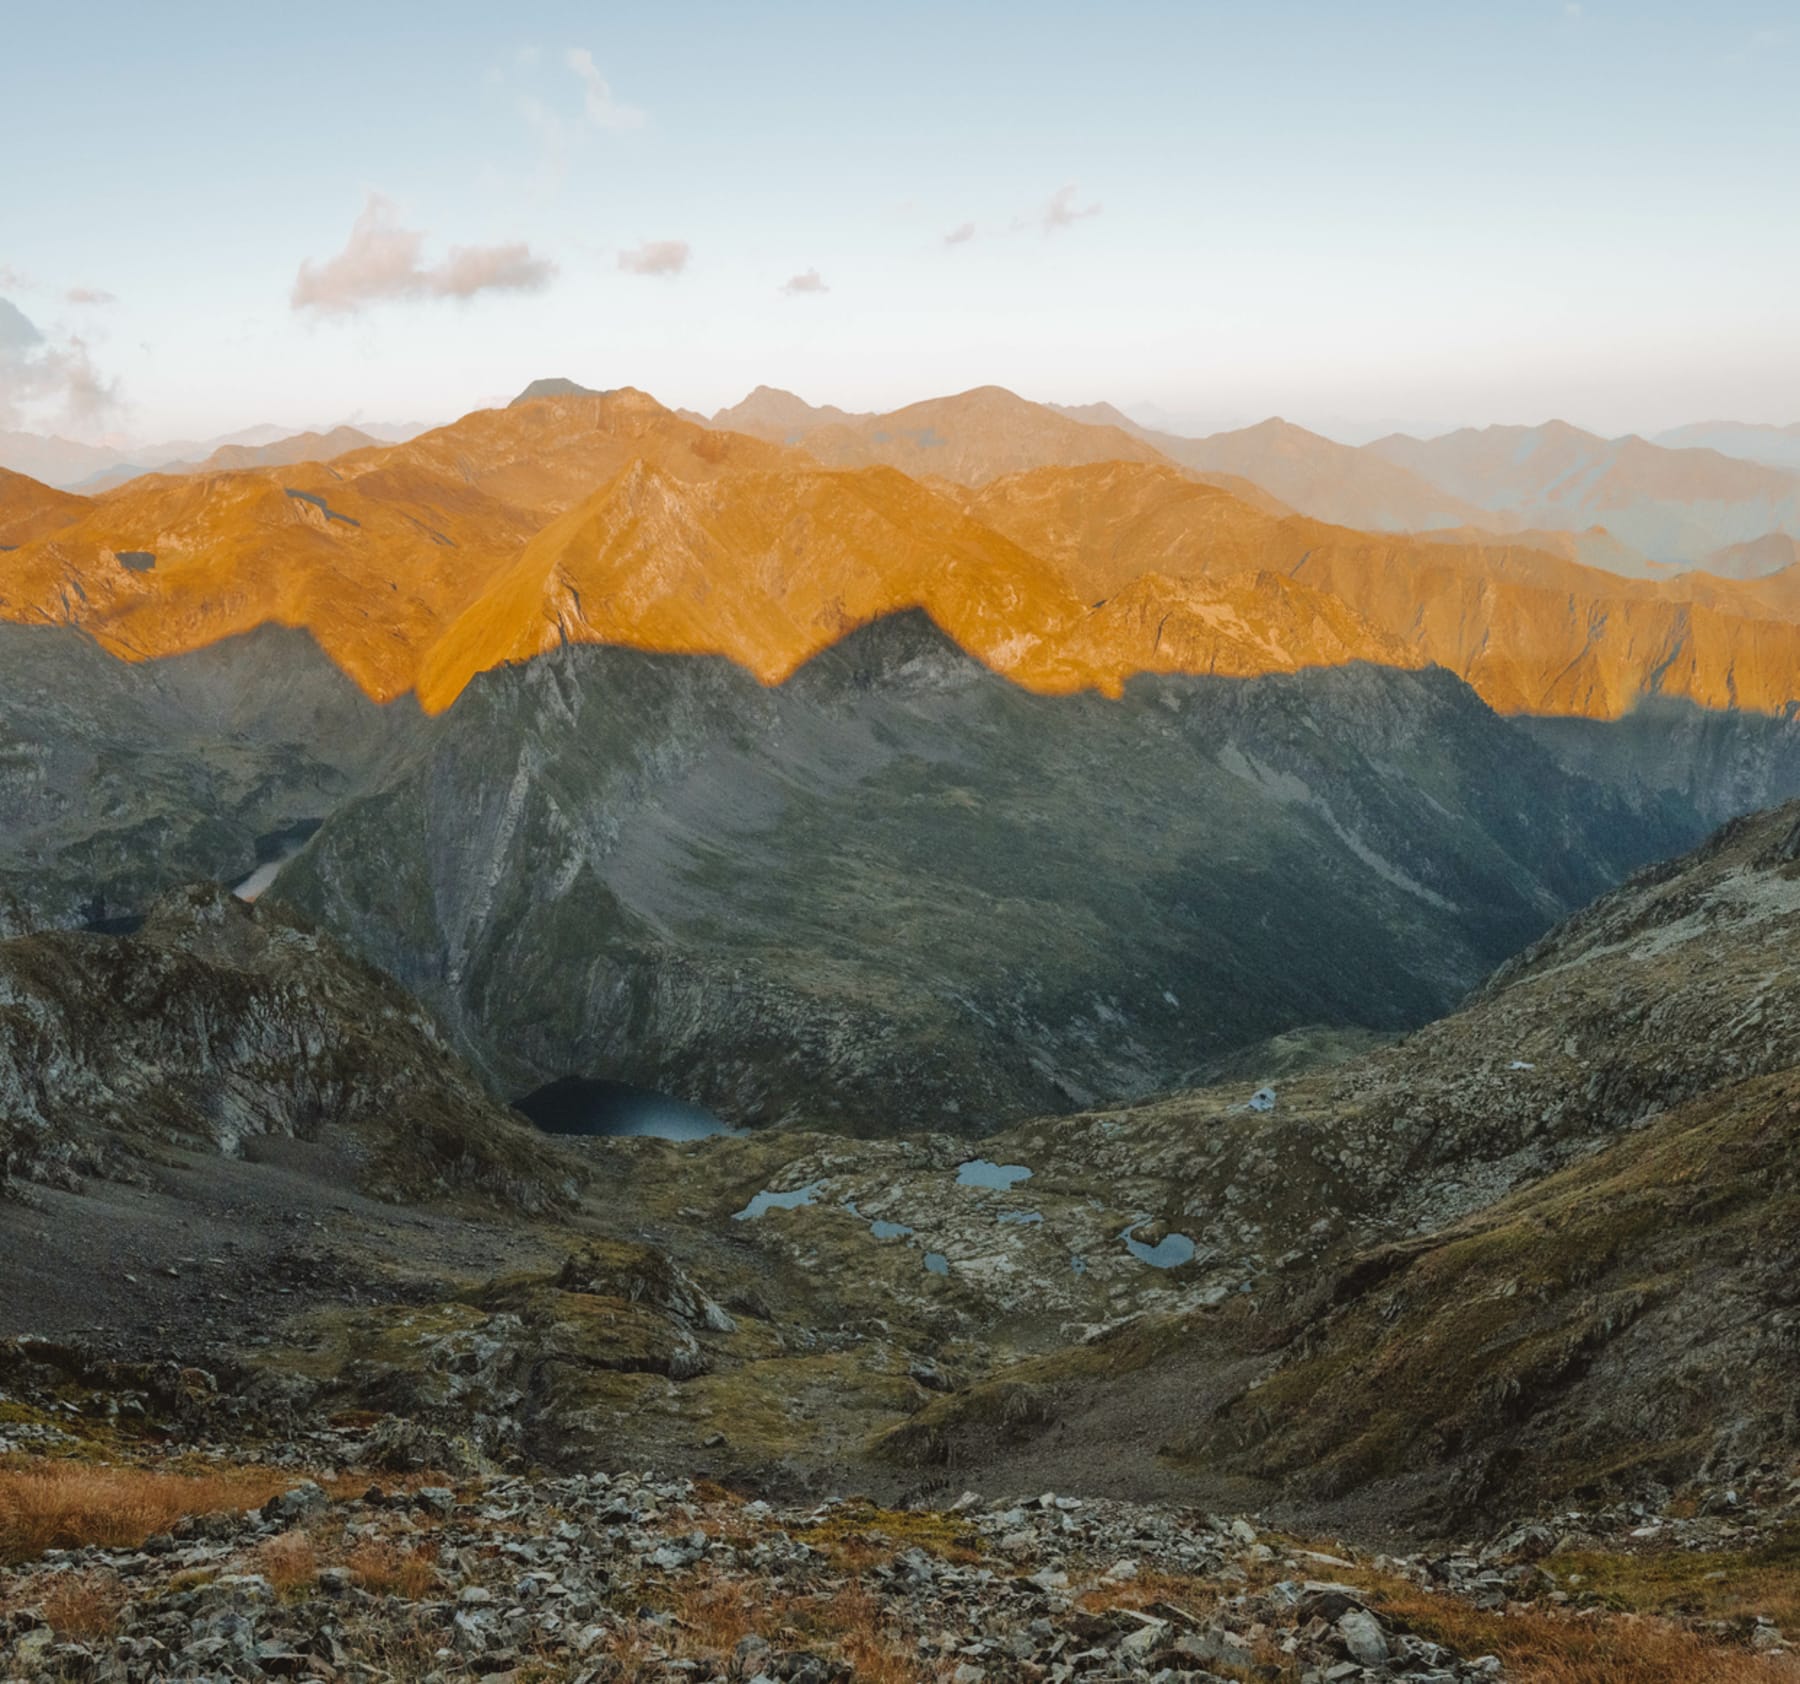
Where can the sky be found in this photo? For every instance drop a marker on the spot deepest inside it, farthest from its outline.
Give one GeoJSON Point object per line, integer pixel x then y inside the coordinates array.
{"type": "Point", "coordinates": [1423, 214]}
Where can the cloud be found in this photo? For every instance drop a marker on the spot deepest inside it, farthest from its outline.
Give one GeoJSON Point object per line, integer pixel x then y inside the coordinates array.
{"type": "Point", "coordinates": [39, 379]}
{"type": "Point", "coordinates": [1060, 211]}
{"type": "Point", "coordinates": [380, 261]}
{"type": "Point", "coordinates": [14, 280]}
{"type": "Point", "coordinates": [808, 282]}
{"type": "Point", "coordinates": [90, 295]}
{"type": "Point", "coordinates": [597, 102]}
{"type": "Point", "coordinates": [656, 257]}
{"type": "Point", "coordinates": [960, 235]}
{"type": "Point", "coordinates": [18, 333]}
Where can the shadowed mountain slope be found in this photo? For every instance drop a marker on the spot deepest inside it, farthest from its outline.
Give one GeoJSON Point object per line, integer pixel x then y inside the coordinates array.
{"type": "Point", "coordinates": [217, 1026]}
{"type": "Point", "coordinates": [121, 780]}
{"type": "Point", "coordinates": [900, 891]}
{"type": "Point", "coordinates": [1539, 1253]}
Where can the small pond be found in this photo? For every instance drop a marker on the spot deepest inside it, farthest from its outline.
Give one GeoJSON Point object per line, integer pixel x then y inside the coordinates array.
{"type": "Point", "coordinates": [978, 1172]}
{"type": "Point", "coordinates": [769, 1200]}
{"type": "Point", "coordinates": [591, 1105]}
{"type": "Point", "coordinates": [1170, 1252]}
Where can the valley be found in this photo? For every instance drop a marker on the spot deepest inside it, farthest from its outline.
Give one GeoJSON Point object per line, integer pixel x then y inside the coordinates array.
{"type": "Point", "coordinates": [900, 845]}
{"type": "Point", "coordinates": [936, 963]}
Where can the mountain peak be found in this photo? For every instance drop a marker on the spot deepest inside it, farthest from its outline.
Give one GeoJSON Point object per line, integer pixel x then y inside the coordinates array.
{"type": "Point", "coordinates": [554, 386]}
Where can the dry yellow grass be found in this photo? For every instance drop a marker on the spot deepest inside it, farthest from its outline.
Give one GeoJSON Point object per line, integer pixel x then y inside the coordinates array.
{"type": "Point", "coordinates": [713, 1614]}
{"type": "Point", "coordinates": [385, 1569]}
{"type": "Point", "coordinates": [288, 1560]}
{"type": "Point", "coordinates": [1543, 1647]}
{"type": "Point", "coordinates": [65, 1505]}
{"type": "Point", "coordinates": [1539, 1646]}
{"type": "Point", "coordinates": [82, 1606]}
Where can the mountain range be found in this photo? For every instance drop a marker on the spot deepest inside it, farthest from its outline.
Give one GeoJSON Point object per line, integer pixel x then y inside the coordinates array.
{"type": "Point", "coordinates": [553, 677]}
{"type": "Point", "coordinates": [607, 518]}
{"type": "Point", "coordinates": [1282, 1029]}
{"type": "Point", "coordinates": [1778, 447]}
{"type": "Point", "coordinates": [72, 465]}
{"type": "Point", "coordinates": [1676, 502]}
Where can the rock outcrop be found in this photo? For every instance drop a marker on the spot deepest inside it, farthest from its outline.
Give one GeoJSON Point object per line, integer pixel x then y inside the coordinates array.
{"type": "Point", "coordinates": [218, 1026]}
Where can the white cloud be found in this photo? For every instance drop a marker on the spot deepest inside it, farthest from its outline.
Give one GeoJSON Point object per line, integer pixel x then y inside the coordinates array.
{"type": "Point", "coordinates": [597, 103]}
{"type": "Point", "coordinates": [1060, 211]}
{"type": "Point", "coordinates": [656, 257]}
{"type": "Point", "coordinates": [807, 282]}
{"type": "Point", "coordinates": [90, 295]}
{"type": "Point", "coordinates": [960, 235]}
{"type": "Point", "coordinates": [39, 380]}
{"type": "Point", "coordinates": [381, 260]}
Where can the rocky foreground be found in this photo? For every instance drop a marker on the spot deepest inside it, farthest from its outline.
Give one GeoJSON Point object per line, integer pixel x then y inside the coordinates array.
{"type": "Point", "coordinates": [598, 1578]}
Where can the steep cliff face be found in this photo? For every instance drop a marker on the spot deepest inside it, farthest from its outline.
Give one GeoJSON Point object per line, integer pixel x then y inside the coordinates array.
{"type": "Point", "coordinates": [218, 1025]}
{"type": "Point", "coordinates": [898, 890]}
{"type": "Point", "coordinates": [1714, 763]}
{"type": "Point", "coordinates": [121, 780]}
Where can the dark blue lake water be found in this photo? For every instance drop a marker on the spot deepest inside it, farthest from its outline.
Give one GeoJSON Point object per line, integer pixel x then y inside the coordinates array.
{"type": "Point", "coordinates": [591, 1105]}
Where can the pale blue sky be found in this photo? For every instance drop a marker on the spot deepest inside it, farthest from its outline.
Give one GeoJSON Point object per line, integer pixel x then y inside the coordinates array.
{"type": "Point", "coordinates": [1420, 211]}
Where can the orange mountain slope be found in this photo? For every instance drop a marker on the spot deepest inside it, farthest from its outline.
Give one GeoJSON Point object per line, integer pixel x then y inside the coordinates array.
{"type": "Point", "coordinates": [767, 568]}
{"type": "Point", "coordinates": [29, 509]}
{"type": "Point", "coordinates": [552, 453]}
{"type": "Point", "coordinates": [771, 568]}
{"type": "Point", "coordinates": [609, 518]}
{"type": "Point", "coordinates": [1531, 632]}
{"type": "Point", "coordinates": [782, 417]}
{"type": "Point", "coordinates": [375, 552]}
{"type": "Point", "coordinates": [281, 453]}
{"type": "Point", "coordinates": [970, 438]}
{"type": "Point", "coordinates": [1325, 479]}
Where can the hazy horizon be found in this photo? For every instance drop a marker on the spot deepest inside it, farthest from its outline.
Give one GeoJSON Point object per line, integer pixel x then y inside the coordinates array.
{"type": "Point", "coordinates": [1190, 421]}
{"type": "Point", "coordinates": [1573, 210]}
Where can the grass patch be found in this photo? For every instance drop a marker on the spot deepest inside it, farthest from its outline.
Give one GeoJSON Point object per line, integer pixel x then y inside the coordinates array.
{"type": "Point", "coordinates": [67, 1505]}
{"type": "Point", "coordinates": [383, 1568]}
{"type": "Point", "coordinates": [1541, 1647]}
{"type": "Point", "coordinates": [82, 1607]}
{"type": "Point", "coordinates": [289, 1561]}
{"type": "Point", "coordinates": [860, 1535]}
{"type": "Point", "coordinates": [1700, 1584]}
{"type": "Point", "coordinates": [712, 1615]}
